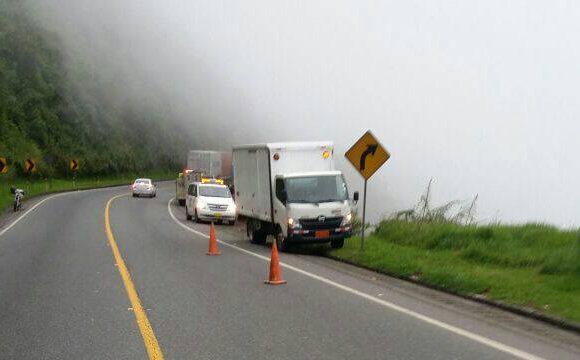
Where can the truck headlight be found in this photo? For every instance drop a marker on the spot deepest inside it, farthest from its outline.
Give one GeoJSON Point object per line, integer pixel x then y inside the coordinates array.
{"type": "Point", "coordinates": [232, 207]}
{"type": "Point", "coordinates": [346, 220]}
{"type": "Point", "coordinates": [294, 224]}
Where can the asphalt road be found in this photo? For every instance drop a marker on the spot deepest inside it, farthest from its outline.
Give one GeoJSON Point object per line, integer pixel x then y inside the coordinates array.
{"type": "Point", "coordinates": [62, 296]}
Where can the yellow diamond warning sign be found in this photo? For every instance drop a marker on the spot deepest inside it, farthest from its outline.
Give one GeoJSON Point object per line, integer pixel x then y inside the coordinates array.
{"type": "Point", "coordinates": [367, 155]}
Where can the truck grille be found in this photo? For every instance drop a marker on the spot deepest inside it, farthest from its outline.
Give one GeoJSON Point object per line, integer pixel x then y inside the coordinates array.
{"type": "Point", "coordinates": [321, 223]}
{"type": "Point", "coordinates": [217, 207]}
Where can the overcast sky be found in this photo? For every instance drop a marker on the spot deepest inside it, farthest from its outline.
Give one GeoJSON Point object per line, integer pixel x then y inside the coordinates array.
{"type": "Point", "coordinates": [481, 96]}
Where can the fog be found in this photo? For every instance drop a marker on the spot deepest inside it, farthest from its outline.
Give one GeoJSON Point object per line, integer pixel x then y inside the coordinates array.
{"type": "Point", "coordinates": [483, 97]}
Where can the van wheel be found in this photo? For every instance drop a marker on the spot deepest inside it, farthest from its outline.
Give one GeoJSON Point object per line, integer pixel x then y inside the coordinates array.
{"type": "Point", "coordinates": [195, 217]}
{"type": "Point", "coordinates": [187, 216]}
{"type": "Point", "coordinates": [337, 244]}
{"type": "Point", "coordinates": [281, 242]}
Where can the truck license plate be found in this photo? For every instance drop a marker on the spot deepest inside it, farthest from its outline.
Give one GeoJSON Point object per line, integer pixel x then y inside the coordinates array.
{"type": "Point", "coordinates": [217, 215]}
{"type": "Point", "coordinates": [322, 234]}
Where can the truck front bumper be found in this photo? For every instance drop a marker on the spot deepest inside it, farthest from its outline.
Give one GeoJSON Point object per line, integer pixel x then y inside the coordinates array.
{"type": "Point", "coordinates": [319, 236]}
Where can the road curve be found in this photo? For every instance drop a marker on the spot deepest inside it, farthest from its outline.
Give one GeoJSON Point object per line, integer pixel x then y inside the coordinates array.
{"type": "Point", "coordinates": [62, 296]}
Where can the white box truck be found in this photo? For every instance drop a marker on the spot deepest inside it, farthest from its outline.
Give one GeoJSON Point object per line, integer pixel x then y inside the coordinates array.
{"type": "Point", "coordinates": [293, 192]}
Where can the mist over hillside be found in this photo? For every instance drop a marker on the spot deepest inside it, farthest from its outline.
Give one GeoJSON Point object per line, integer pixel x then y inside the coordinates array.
{"type": "Point", "coordinates": [480, 96]}
{"type": "Point", "coordinates": [52, 112]}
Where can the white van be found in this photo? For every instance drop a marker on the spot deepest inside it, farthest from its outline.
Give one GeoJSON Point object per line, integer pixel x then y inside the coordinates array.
{"type": "Point", "coordinates": [210, 202]}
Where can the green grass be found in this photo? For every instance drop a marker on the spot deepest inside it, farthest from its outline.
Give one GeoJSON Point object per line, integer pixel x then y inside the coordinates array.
{"type": "Point", "coordinates": [533, 265]}
{"type": "Point", "coordinates": [42, 186]}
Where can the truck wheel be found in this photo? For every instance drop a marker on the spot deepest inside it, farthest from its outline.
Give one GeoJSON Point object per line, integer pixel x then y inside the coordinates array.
{"type": "Point", "coordinates": [281, 242]}
{"type": "Point", "coordinates": [187, 216]}
{"type": "Point", "coordinates": [256, 236]}
{"type": "Point", "coordinates": [337, 244]}
{"type": "Point", "coordinates": [181, 202]}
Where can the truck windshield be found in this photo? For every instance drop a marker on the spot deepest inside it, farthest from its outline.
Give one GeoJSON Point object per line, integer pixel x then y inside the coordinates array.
{"type": "Point", "coordinates": [214, 191]}
{"type": "Point", "coordinates": [316, 189]}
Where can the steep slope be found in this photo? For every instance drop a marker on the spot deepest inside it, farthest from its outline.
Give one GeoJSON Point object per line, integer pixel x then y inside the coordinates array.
{"type": "Point", "coordinates": [47, 116]}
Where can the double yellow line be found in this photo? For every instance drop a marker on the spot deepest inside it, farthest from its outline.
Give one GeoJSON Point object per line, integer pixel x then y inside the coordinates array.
{"type": "Point", "coordinates": [151, 344]}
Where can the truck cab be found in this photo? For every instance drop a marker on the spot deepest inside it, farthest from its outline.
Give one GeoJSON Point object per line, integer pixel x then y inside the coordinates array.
{"type": "Point", "coordinates": [313, 207]}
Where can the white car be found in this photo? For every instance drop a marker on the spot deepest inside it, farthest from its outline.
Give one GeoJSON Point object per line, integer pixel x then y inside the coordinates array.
{"type": "Point", "coordinates": [144, 187]}
{"type": "Point", "coordinates": [210, 202]}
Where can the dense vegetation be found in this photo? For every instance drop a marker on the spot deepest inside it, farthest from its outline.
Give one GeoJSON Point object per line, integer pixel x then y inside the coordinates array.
{"type": "Point", "coordinates": [535, 266]}
{"type": "Point", "coordinates": [48, 114]}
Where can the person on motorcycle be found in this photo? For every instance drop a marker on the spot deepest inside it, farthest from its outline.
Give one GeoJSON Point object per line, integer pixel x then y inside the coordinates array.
{"type": "Point", "coordinates": [18, 195]}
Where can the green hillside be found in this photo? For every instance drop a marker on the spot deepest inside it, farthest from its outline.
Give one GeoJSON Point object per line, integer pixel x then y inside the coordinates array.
{"type": "Point", "coordinates": [44, 116]}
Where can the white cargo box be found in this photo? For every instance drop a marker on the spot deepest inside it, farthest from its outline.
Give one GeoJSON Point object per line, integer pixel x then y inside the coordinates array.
{"type": "Point", "coordinates": [256, 168]}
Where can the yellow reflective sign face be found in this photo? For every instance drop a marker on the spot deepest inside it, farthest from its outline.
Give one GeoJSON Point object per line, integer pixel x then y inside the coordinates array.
{"type": "Point", "coordinates": [29, 165]}
{"type": "Point", "coordinates": [367, 155]}
{"type": "Point", "coordinates": [73, 164]}
{"type": "Point", "coordinates": [3, 165]}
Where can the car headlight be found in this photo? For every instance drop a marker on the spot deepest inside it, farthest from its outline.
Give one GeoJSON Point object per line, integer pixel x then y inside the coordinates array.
{"type": "Point", "coordinates": [201, 205]}
{"type": "Point", "coordinates": [346, 220]}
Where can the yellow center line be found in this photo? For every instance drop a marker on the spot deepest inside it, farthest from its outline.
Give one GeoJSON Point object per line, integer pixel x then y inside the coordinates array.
{"type": "Point", "coordinates": [151, 344]}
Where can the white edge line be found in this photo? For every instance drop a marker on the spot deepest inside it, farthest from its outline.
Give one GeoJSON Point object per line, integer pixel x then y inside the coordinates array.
{"type": "Point", "coordinates": [458, 331]}
{"type": "Point", "coordinates": [3, 231]}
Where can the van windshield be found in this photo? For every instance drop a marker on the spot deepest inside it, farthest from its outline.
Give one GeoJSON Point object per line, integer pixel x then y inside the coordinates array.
{"type": "Point", "coordinates": [214, 191]}
{"type": "Point", "coordinates": [316, 189]}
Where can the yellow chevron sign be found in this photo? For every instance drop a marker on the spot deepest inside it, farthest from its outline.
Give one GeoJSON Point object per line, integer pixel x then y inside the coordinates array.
{"type": "Point", "coordinates": [3, 165]}
{"type": "Point", "coordinates": [74, 164]}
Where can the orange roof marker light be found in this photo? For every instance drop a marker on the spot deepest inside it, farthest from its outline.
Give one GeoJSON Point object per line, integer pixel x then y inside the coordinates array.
{"type": "Point", "coordinates": [212, 181]}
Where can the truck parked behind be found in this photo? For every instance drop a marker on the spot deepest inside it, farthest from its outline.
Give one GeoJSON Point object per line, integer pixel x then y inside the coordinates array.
{"type": "Point", "coordinates": [203, 164]}
{"type": "Point", "coordinates": [293, 192]}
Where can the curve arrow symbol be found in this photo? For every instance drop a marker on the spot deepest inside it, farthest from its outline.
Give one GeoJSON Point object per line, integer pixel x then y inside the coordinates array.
{"type": "Point", "coordinates": [29, 165]}
{"type": "Point", "coordinates": [371, 150]}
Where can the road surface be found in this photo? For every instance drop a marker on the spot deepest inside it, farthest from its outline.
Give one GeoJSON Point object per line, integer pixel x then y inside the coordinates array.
{"type": "Point", "coordinates": [66, 293]}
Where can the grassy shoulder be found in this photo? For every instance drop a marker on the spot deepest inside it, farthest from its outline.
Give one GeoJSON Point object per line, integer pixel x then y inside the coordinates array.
{"type": "Point", "coordinates": [35, 187]}
{"type": "Point", "coordinates": [535, 266]}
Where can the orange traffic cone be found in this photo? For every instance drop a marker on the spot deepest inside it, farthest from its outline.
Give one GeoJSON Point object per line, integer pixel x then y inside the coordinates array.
{"type": "Point", "coordinates": [275, 273]}
{"type": "Point", "coordinates": [213, 246]}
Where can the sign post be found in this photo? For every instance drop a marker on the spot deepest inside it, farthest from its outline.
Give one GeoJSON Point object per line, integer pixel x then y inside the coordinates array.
{"type": "Point", "coordinates": [367, 155]}
{"type": "Point", "coordinates": [362, 235]}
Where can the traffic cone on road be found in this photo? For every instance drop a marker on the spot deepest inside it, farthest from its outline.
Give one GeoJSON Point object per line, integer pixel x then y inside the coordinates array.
{"type": "Point", "coordinates": [213, 246]}
{"type": "Point", "coordinates": [275, 277]}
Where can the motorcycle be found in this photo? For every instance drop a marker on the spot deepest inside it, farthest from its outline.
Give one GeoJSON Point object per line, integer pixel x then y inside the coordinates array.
{"type": "Point", "coordinates": [18, 195]}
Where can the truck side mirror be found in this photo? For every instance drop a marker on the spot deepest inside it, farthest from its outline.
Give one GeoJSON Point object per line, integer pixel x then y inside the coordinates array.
{"type": "Point", "coordinates": [355, 196]}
